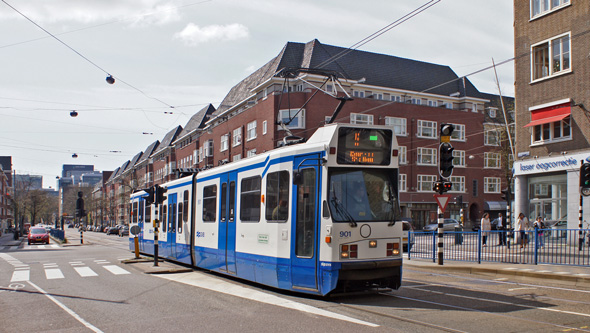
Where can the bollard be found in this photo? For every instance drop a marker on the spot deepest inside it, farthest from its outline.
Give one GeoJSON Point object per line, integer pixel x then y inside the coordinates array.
{"type": "Point", "coordinates": [136, 243]}
{"type": "Point", "coordinates": [81, 237]}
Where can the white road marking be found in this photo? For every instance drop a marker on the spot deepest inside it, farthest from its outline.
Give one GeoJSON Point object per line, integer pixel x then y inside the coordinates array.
{"type": "Point", "coordinates": [207, 282]}
{"type": "Point", "coordinates": [20, 276]}
{"type": "Point", "coordinates": [53, 273]}
{"type": "Point", "coordinates": [66, 309]}
{"type": "Point", "coordinates": [85, 271]}
{"type": "Point", "coordinates": [76, 263]}
{"type": "Point", "coordinates": [101, 262]}
{"type": "Point", "coordinates": [116, 269]}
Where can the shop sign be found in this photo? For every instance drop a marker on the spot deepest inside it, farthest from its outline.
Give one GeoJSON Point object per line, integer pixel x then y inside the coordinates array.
{"type": "Point", "coordinates": [549, 164]}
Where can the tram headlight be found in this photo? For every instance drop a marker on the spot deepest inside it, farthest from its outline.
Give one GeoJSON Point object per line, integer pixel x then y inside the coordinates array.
{"type": "Point", "coordinates": [392, 249]}
{"type": "Point", "coordinates": [373, 244]}
{"type": "Point", "coordinates": [349, 251]}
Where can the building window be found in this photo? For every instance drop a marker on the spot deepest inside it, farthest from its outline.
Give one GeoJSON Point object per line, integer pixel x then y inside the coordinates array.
{"type": "Point", "coordinates": [491, 136]}
{"type": "Point", "coordinates": [416, 101]}
{"type": "Point", "coordinates": [237, 137]}
{"type": "Point", "coordinates": [403, 155]}
{"type": "Point", "coordinates": [432, 103]}
{"type": "Point", "coordinates": [378, 96]}
{"type": "Point", "coordinates": [427, 129]}
{"type": "Point", "coordinates": [425, 183]}
{"type": "Point", "coordinates": [224, 144]}
{"type": "Point", "coordinates": [208, 151]}
{"type": "Point", "coordinates": [540, 7]}
{"type": "Point", "coordinates": [492, 112]}
{"type": "Point", "coordinates": [427, 156]}
{"type": "Point", "coordinates": [359, 94]}
{"type": "Point", "coordinates": [395, 98]}
{"type": "Point", "coordinates": [298, 118]}
{"type": "Point", "coordinates": [251, 131]}
{"type": "Point", "coordinates": [251, 152]}
{"type": "Point", "coordinates": [551, 57]}
{"type": "Point", "coordinates": [403, 183]}
{"type": "Point", "coordinates": [555, 131]}
{"type": "Point", "coordinates": [459, 158]}
{"type": "Point", "coordinates": [459, 132]}
{"type": "Point", "coordinates": [458, 183]}
{"type": "Point", "coordinates": [237, 157]}
{"type": "Point", "coordinates": [361, 119]}
{"type": "Point", "coordinates": [492, 160]}
{"type": "Point", "coordinates": [399, 125]}
{"type": "Point", "coordinates": [264, 127]}
{"type": "Point", "coordinates": [491, 185]}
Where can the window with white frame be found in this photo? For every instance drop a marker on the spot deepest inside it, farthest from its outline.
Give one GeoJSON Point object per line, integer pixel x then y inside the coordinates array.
{"type": "Point", "coordinates": [492, 112]}
{"type": "Point", "coordinates": [264, 127]}
{"type": "Point", "coordinates": [403, 155]}
{"type": "Point", "coordinates": [425, 183]}
{"type": "Point", "coordinates": [361, 119]}
{"type": "Point", "coordinates": [459, 158]}
{"type": "Point", "coordinates": [432, 103]}
{"type": "Point", "coordinates": [551, 132]}
{"type": "Point", "coordinates": [458, 183]}
{"type": "Point", "coordinates": [416, 101]}
{"type": "Point", "coordinates": [358, 93]}
{"type": "Point", "coordinates": [427, 129]}
{"type": "Point", "coordinates": [399, 125]}
{"type": "Point", "coordinates": [378, 96]}
{"type": "Point", "coordinates": [540, 7]}
{"type": "Point", "coordinates": [491, 184]}
{"type": "Point", "coordinates": [395, 98]}
{"type": "Point", "coordinates": [492, 160]}
{"type": "Point", "coordinates": [550, 57]}
{"type": "Point", "coordinates": [474, 108]}
{"type": "Point", "coordinates": [251, 152]}
{"type": "Point", "coordinates": [459, 133]}
{"type": "Point", "coordinates": [251, 131]}
{"type": "Point", "coordinates": [427, 156]}
{"type": "Point", "coordinates": [237, 137]}
{"type": "Point", "coordinates": [208, 150]}
{"type": "Point", "coordinates": [236, 157]}
{"type": "Point", "coordinates": [224, 143]}
{"type": "Point", "coordinates": [491, 135]}
{"type": "Point", "coordinates": [403, 183]}
{"type": "Point", "coordinates": [296, 118]}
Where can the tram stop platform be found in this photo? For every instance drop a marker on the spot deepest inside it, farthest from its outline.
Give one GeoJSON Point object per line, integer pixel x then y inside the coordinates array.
{"type": "Point", "coordinates": [146, 265]}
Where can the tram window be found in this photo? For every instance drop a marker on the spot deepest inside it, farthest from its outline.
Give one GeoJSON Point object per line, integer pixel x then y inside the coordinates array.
{"type": "Point", "coordinates": [185, 209]}
{"type": "Point", "coordinates": [223, 214]}
{"type": "Point", "coordinates": [172, 218]}
{"type": "Point", "coordinates": [180, 215]}
{"type": "Point", "coordinates": [164, 217]}
{"type": "Point", "coordinates": [134, 213]}
{"type": "Point", "coordinates": [140, 214]}
{"type": "Point", "coordinates": [209, 203]}
{"type": "Point", "coordinates": [232, 200]}
{"type": "Point", "coordinates": [148, 214]}
{"type": "Point", "coordinates": [305, 223]}
{"type": "Point", "coordinates": [277, 196]}
{"type": "Point", "coordinates": [250, 199]}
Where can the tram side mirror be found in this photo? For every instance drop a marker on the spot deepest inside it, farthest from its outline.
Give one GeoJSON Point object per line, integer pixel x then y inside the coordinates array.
{"type": "Point", "coordinates": [297, 178]}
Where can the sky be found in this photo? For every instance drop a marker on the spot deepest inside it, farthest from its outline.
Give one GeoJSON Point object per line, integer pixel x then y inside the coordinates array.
{"type": "Point", "coordinates": [170, 58]}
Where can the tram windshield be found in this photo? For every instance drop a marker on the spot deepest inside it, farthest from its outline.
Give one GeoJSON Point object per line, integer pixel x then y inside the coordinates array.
{"type": "Point", "coordinates": [368, 195]}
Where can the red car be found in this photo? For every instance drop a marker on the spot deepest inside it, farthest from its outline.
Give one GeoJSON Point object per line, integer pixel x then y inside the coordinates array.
{"type": "Point", "coordinates": [38, 235]}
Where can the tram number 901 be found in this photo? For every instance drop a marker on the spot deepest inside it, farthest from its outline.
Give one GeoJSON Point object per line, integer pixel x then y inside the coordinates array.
{"type": "Point", "coordinates": [345, 234]}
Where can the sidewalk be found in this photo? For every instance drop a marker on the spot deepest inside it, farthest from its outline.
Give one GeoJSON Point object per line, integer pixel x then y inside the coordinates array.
{"type": "Point", "coordinates": [7, 239]}
{"type": "Point", "coordinates": [146, 265]}
{"type": "Point", "coordinates": [560, 274]}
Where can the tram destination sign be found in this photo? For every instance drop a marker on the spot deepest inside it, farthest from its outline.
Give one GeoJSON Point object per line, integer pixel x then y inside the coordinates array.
{"type": "Point", "coordinates": [364, 146]}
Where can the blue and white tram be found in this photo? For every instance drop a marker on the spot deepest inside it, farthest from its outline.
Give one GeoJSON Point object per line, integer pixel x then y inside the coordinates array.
{"type": "Point", "coordinates": [312, 217]}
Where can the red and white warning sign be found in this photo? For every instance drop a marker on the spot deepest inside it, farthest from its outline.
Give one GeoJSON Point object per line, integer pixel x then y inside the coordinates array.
{"type": "Point", "coordinates": [442, 200]}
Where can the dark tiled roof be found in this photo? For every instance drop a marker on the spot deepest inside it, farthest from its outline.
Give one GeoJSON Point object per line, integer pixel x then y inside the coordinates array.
{"type": "Point", "coordinates": [197, 121]}
{"type": "Point", "coordinates": [149, 151]}
{"type": "Point", "coordinates": [114, 174]}
{"type": "Point", "coordinates": [168, 138]}
{"type": "Point", "coordinates": [378, 69]}
{"type": "Point", "coordinates": [133, 161]}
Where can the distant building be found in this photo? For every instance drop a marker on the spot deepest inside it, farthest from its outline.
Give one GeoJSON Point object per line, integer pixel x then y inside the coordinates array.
{"type": "Point", "coordinates": [30, 182]}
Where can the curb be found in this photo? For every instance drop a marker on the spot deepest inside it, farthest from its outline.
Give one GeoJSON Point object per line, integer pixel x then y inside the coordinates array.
{"type": "Point", "coordinates": [146, 266]}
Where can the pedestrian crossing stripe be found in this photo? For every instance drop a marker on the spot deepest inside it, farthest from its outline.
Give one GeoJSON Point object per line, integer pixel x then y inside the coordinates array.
{"type": "Point", "coordinates": [18, 276]}
{"type": "Point", "coordinates": [85, 271]}
{"type": "Point", "coordinates": [37, 247]}
{"type": "Point", "coordinates": [53, 273]}
{"type": "Point", "coordinates": [116, 270]}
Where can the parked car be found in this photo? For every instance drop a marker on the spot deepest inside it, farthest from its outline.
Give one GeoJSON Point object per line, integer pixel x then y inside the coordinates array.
{"type": "Point", "coordinates": [113, 231]}
{"type": "Point", "coordinates": [38, 235]}
{"type": "Point", "coordinates": [407, 237]}
{"type": "Point", "coordinates": [449, 225]}
{"type": "Point", "coordinates": [124, 231]}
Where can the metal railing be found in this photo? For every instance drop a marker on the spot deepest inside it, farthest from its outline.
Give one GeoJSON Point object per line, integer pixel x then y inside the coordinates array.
{"type": "Point", "coordinates": [543, 246]}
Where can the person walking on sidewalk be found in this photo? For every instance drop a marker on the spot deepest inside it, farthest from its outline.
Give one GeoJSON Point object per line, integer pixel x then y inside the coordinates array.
{"type": "Point", "coordinates": [486, 226]}
{"type": "Point", "coordinates": [539, 226]}
{"type": "Point", "coordinates": [502, 230]}
{"type": "Point", "coordinates": [522, 225]}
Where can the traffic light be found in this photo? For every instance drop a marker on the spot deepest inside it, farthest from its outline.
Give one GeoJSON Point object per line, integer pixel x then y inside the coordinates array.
{"type": "Point", "coordinates": [446, 159]}
{"type": "Point", "coordinates": [447, 186]}
{"type": "Point", "coordinates": [445, 132]}
{"type": "Point", "coordinates": [438, 187]}
{"type": "Point", "coordinates": [459, 200]}
{"type": "Point", "coordinates": [150, 198]}
{"type": "Point", "coordinates": [506, 195]}
{"type": "Point", "coordinates": [585, 179]}
{"type": "Point", "coordinates": [159, 194]}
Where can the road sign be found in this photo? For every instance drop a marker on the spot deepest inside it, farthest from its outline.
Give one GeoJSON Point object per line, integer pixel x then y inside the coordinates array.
{"type": "Point", "coordinates": [135, 230]}
{"type": "Point", "coordinates": [442, 200]}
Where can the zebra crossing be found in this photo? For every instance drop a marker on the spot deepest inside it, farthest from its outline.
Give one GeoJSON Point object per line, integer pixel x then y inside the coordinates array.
{"type": "Point", "coordinates": [29, 247]}
{"type": "Point", "coordinates": [53, 271]}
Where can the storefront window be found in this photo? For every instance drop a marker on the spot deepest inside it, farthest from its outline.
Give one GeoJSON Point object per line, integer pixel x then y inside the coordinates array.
{"type": "Point", "coordinates": [548, 197]}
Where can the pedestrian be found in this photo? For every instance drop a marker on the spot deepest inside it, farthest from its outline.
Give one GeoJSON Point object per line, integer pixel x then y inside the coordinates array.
{"type": "Point", "coordinates": [502, 231]}
{"type": "Point", "coordinates": [539, 226]}
{"type": "Point", "coordinates": [522, 225]}
{"type": "Point", "coordinates": [486, 226]}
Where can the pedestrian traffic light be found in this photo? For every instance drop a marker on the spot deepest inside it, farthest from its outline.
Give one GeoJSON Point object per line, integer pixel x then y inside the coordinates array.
{"type": "Point", "coordinates": [446, 159]}
{"type": "Point", "coordinates": [150, 198]}
{"type": "Point", "coordinates": [585, 179]}
{"type": "Point", "coordinates": [159, 194]}
{"type": "Point", "coordinates": [506, 195]}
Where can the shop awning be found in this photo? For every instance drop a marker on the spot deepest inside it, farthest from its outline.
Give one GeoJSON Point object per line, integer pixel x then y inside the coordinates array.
{"type": "Point", "coordinates": [549, 115]}
{"type": "Point", "coordinates": [495, 205]}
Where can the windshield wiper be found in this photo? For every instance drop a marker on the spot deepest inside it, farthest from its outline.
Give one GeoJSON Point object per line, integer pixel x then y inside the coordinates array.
{"type": "Point", "coordinates": [342, 211]}
{"type": "Point", "coordinates": [391, 199]}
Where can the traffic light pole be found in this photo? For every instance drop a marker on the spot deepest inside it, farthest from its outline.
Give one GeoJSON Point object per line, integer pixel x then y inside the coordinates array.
{"type": "Point", "coordinates": [441, 221]}
{"type": "Point", "coordinates": [156, 236]}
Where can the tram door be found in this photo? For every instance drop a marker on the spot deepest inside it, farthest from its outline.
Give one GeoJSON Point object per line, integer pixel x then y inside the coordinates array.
{"type": "Point", "coordinates": [304, 246]}
{"type": "Point", "coordinates": [227, 223]}
{"type": "Point", "coordinates": [171, 235]}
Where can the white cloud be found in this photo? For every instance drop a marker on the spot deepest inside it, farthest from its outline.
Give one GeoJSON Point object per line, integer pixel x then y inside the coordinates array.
{"type": "Point", "coordinates": [192, 34]}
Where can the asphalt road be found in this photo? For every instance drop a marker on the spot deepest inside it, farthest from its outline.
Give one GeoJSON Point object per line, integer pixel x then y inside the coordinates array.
{"type": "Point", "coordinates": [87, 288]}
